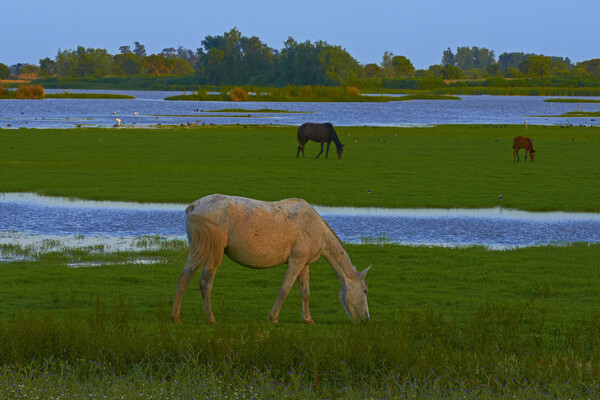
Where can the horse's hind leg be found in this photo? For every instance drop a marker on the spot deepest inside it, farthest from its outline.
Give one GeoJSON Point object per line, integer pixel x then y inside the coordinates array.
{"type": "Point", "coordinates": [298, 152]}
{"type": "Point", "coordinates": [182, 283]}
{"type": "Point", "coordinates": [305, 295]}
{"type": "Point", "coordinates": [206, 282]}
{"type": "Point", "coordinates": [321, 151]}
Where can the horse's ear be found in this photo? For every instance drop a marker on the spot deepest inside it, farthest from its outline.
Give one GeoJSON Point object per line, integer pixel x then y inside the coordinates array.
{"type": "Point", "coordinates": [363, 273]}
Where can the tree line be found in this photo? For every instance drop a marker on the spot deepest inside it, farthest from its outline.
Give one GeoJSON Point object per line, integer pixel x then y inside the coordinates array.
{"type": "Point", "coordinates": [234, 59]}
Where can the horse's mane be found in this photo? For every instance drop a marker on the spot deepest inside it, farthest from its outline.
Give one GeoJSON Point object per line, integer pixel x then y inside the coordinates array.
{"type": "Point", "coordinates": [334, 234]}
{"type": "Point", "coordinates": [333, 134]}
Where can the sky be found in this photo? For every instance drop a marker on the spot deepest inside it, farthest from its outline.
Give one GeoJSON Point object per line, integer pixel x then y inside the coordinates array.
{"type": "Point", "coordinates": [419, 30]}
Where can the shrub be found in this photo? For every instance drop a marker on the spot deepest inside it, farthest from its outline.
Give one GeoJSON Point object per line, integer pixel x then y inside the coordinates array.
{"type": "Point", "coordinates": [30, 92]}
{"type": "Point", "coordinates": [3, 92]}
{"type": "Point", "coordinates": [353, 91]}
{"type": "Point", "coordinates": [238, 94]}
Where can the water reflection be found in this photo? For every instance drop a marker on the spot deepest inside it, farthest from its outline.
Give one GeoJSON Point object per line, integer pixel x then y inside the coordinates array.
{"type": "Point", "coordinates": [30, 216]}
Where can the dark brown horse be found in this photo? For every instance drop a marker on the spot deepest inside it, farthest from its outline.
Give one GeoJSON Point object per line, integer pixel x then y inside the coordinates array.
{"type": "Point", "coordinates": [521, 142]}
{"type": "Point", "coordinates": [320, 133]}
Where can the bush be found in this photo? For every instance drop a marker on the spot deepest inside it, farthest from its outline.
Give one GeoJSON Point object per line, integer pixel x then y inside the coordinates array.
{"type": "Point", "coordinates": [3, 92]}
{"type": "Point", "coordinates": [30, 92]}
{"type": "Point", "coordinates": [238, 94]}
{"type": "Point", "coordinates": [353, 91]}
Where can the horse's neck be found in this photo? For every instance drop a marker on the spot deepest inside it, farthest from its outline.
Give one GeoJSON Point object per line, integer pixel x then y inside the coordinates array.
{"type": "Point", "coordinates": [335, 138]}
{"type": "Point", "coordinates": [336, 255]}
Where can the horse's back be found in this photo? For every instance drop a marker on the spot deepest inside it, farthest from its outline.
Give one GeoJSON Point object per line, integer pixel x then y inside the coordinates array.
{"type": "Point", "coordinates": [260, 234]}
{"type": "Point", "coordinates": [521, 142]}
{"type": "Point", "coordinates": [313, 131]}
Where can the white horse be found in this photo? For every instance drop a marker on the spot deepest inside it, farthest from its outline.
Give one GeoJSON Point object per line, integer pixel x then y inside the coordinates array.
{"type": "Point", "coordinates": [259, 234]}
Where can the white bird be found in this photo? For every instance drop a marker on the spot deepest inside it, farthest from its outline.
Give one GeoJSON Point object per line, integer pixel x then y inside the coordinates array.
{"type": "Point", "coordinates": [118, 121]}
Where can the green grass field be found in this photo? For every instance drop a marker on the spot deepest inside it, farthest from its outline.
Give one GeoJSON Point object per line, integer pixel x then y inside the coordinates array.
{"type": "Point", "coordinates": [466, 322]}
{"type": "Point", "coordinates": [446, 322]}
{"type": "Point", "coordinates": [444, 166]}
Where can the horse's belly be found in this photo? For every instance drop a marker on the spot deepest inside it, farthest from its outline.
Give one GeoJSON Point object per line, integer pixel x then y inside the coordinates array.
{"type": "Point", "coordinates": [256, 257]}
{"type": "Point", "coordinates": [259, 251]}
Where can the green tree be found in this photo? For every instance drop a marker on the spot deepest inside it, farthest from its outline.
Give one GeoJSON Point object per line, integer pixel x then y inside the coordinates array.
{"type": "Point", "coordinates": [158, 65]}
{"type": "Point", "coordinates": [436, 70]}
{"type": "Point", "coordinates": [129, 63]}
{"type": "Point", "coordinates": [139, 49]}
{"type": "Point", "coordinates": [493, 69]}
{"type": "Point", "coordinates": [592, 67]}
{"type": "Point", "coordinates": [257, 60]}
{"type": "Point", "coordinates": [47, 67]}
{"type": "Point", "coordinates": [66, 63]}
{"type": "Point", "coordinates": [452, 72]}
{"type": "Point", "coordinates": [4, 71]}
{"type": "Point", "coordinates": [221, 59]}
{"type": "Point", "coordinates": [482, 57]}
{"type": "Point", "coordinates": [448, 57]}
{"type": "Point", "coordinates": [30, 69]}
{"type": "Point", "coordinates": [181, 67]}
{"type": "Point", "coordinates": [538, 67]}
{"type": "Point", "coordinates": [387, 68]}
{"type": "Point", "coordinates": [299, 64]}
{"type": "Point", "coordinates": [372, 70]}
{"type": "Point", "coordinates": [403, 68]}
{"type": "Point", "coordinates": [464, 58]}
{"type": "Point", "coordinates": [338, 64]}
{"type": "Point", "coordinates": [511, 60]}
{"type": "Point", "coordinates": [512, 72]}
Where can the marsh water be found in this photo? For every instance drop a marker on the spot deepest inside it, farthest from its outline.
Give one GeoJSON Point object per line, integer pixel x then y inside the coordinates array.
{"type": "Point", "coordinates": [29, 216]}
{"type": "Point", "coordinates": [152, 110]}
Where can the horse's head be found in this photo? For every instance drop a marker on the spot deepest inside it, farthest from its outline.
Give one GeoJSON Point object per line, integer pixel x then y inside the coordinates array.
{"type": "Point", "coordinates": [353, 295]}
{"type": "Point", "coordinates": [532, 153]}
{"type": "Point", "coordinates": [340, 150]}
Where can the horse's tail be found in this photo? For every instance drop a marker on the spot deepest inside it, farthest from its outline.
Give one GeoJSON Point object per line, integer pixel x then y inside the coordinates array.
{"type": "Point", "coordinates": [301, 135]}
{"type": "Point", "coordinates": [206, 241]}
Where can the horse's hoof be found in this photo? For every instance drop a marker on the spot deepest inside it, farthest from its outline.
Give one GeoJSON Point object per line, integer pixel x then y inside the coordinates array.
{"type": "Point", "coordinates": [174, 318]}
{"type": "Point", "coordinates": [309, 322]}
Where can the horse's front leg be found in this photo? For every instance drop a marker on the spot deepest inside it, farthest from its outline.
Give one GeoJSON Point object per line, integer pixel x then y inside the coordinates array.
{"type": "Point", "coordinates": [320, 151]}
{"type": "Point", "coordinates": [327, 152]}
{"type": "Point", "coordinates": [294, 268]}
{"type": "Point", "coordinates": [305, 295]}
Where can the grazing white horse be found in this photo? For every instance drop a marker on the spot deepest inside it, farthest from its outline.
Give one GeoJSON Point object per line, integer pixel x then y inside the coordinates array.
{"type": "Point", "coordinates": [260, 234]}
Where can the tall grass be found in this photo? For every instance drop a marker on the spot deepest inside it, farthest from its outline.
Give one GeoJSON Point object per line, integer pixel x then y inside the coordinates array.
{"type": "Point", "coordinates": [520, 91]}
{"type": "Point", "coordinates": [30, 92]}
{"type": "Point", "coordinates": [496, 352]}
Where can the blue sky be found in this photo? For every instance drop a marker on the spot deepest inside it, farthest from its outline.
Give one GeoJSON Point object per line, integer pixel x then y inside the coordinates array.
{"type": "Point", "coordinates": [420, 30]}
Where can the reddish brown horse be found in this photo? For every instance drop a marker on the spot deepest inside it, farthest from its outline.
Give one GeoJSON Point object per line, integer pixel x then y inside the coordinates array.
{"type": "Point", "coordinates": [320, 133]}
{"type": "Point", "coordinates": [521, 142]}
